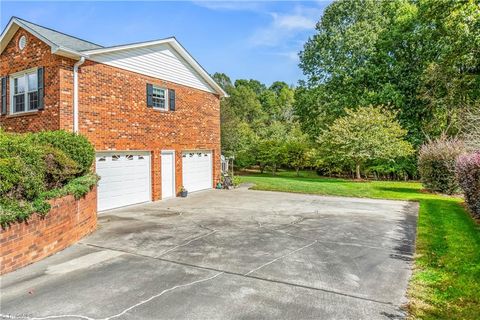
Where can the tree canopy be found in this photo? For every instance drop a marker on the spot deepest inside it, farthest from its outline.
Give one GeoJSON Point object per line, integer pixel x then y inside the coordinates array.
{"type": "Point", "coordinates": [367, 134]}
{"type": "Point", "coordinates": [419, 58]}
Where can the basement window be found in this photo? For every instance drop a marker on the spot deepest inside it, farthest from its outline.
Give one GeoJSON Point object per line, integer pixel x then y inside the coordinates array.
{"type": "Point", "coordinates": [24, 96]}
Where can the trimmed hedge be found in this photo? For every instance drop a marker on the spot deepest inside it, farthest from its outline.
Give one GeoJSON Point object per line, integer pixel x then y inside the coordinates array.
{"type": "Point", "coordinates": [35, 166]}
{"type": "Point", "coordinates": [468, 175]}
{"type": "Point", "coordinates": [436, 164]}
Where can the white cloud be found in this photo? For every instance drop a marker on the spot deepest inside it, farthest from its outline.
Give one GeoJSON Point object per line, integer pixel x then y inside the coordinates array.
{"type": "Point", "coordinates": [286, 26]}
{"type": "Point", "coordinates": [293, 22]}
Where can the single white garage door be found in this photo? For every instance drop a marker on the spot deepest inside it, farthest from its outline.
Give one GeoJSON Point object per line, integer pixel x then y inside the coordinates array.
{"type": "Point", "coordinates": [124, 179]}
{"type": "Point", "coordinates": [197, 170]}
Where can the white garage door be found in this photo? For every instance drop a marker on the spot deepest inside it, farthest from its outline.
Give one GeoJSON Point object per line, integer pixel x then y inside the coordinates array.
{"type": "Point", "coordinates": [197, 170]}
{"type": "Point", "coordinates": [124, 179]}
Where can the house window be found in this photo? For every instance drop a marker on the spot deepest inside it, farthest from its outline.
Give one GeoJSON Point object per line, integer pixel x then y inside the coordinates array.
{"type": "Point", "coordinates": [159, 98]}
{"type": "Point", "coordinates": [24, 95]}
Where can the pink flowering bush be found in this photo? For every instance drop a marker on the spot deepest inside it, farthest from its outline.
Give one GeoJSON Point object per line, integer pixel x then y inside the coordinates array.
{"type": "Point", "coordinates": [468, 175]}
{"type": "Point", "coordinates": [436, 164]}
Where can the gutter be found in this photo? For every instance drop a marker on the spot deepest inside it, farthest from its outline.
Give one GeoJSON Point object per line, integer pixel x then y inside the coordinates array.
{"type": "Point", "coordinates": [75, 93]}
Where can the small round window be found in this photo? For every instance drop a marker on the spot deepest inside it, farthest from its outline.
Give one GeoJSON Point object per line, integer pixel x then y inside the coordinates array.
{"type": "Point", "coordinates": [22, 42]}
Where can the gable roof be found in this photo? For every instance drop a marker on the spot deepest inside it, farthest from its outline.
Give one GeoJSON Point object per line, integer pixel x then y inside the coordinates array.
{"type": "Point", "coordinates": [73, 47]}
{"type": "Point", "coordinates": [51, 37]}
{"type": "Point", "coordinates": [59, 38]}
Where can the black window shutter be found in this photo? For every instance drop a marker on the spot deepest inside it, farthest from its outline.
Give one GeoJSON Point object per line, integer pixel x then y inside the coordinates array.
{"type": "Point", "coordinates": [149, 95]}
{"type": "Point", "coordinates": [4, 95]}
{"type": "Point", "coordinates": [41, 91]}
{"type": "Point", "coordinates": [171, 99]}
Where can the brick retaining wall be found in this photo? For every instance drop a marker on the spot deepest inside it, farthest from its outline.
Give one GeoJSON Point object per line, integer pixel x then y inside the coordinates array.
{"type": "Point", "coordinates": [68, 221]}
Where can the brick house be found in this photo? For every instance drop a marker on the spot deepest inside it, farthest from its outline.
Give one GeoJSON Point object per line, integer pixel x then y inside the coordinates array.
{"type": "Point", "coordinates": [151, 111]}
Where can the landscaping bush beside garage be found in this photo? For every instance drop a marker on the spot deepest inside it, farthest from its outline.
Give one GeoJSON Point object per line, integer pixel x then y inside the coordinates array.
{"type": "Point", "coordinates": [36, 167]}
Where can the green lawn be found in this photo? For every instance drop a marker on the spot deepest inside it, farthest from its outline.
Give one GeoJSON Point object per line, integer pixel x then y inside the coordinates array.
{"type": "Point", "coordinates": [446, 279]}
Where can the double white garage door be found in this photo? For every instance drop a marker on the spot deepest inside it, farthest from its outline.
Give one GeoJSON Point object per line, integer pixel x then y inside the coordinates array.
{"type": "Point", "coordinates": [125, 177]}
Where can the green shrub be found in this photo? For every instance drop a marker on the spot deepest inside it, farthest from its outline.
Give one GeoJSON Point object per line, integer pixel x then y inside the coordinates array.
{"type": "Point", "coordinates": [12, 210]}
{"type": "Point", "coordinates": [236, 181]}
{"type": "Point", "coordinates": [77, 147]}
{"type": "Point", "coordinates": [10, 174]}
{"type": "Point", "coordinates": [35, 167]}
{"type": "Point", "coordinates": [59, 168]}
{"type": "Point", "coordinates": [436, 164]}
{"type": "Point", "coordinates": [28, 170]}
{"type": "Point", "coordinates": [77, 187]}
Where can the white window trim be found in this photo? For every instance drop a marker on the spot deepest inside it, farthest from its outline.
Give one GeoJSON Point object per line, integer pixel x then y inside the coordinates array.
{"type": "Point", "coordinates": [166, 98]}
{"type": "Point", "coordinates": [11, 78]}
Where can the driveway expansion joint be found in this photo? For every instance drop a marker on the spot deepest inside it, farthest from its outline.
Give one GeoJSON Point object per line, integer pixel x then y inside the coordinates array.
{"type": "Point", "coordinates": [244, 275]}
{"type": "Point", "coordinates": [397, 253]}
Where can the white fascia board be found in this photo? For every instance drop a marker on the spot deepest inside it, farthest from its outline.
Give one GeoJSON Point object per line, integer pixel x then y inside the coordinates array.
{"type": "Point", "coordinates": [176, 45]}
{"type": "Point", "coordinates": [69, 53]}
{"type": "Point", "coordinates": [13, 26]}
{"type": "Point", "coordinates": [127, 46]}
{"type": "Point", "coordinates": [7, 34]}
{"type": "Point", "coordinates": [188, 57]}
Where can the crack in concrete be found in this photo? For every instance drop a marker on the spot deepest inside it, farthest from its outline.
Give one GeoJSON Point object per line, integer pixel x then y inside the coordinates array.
{"type": "Point", "coordinates": [403, 253]}
{"type": "Point", "coordinates": [205, 227]}
{"type": "Point", "coordinates": [185, 264]}
{"type": "Point", "coordinates": [161, 293]}
{"type": "Point", "coordinates": [186, 243]}
{"type": "Point", "coordinates": [281, 257]}
{"type": "Point", "coordinates": [124, 311]}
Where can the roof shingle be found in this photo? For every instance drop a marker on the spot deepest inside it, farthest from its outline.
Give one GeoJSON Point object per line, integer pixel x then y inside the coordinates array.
{"type": "Point", "coordinates": [60, 39]}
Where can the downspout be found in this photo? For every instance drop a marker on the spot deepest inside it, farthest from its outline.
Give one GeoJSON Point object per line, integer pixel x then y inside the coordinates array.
{"type": "Point", "coordinates": [75, 93]}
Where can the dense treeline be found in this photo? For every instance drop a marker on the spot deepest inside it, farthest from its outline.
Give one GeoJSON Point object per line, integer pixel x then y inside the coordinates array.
{"type": "Point", "coordinates": [418, 62]}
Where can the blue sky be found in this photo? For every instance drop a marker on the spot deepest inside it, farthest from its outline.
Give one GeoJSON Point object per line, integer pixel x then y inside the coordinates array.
{"type": "Point", "coordinates": [257, 40]}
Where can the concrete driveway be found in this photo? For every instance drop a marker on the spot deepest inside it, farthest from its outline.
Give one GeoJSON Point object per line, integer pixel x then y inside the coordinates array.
{"type": "Point", "coordinates": [236, 254]}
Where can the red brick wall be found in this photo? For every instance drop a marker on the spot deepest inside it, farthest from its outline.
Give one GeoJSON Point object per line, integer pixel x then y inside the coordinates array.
{"type": "Point", "coordinates": [35, 54]}
{"type": "Point", "coordinates": [112, 109]}
{"type": "Point", "coordinates": [114, 116]}
{"type": "Point", "coordinates": [68, 221]}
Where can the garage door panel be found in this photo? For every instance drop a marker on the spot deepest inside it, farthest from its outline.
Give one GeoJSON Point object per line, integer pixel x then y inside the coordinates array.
{"type": "Point", "coordinates": [124, 181]}
{"type": "Point", "coordinates": [197, 170]}
{"type": "Point", "coordinates": [123, 178]}
{"type": "Point", "coordinates": [116, 177]}
{"type": "Point", "coordinates": [120, 189]}
{"type": "Point", "coordinates": [115, 169]}
{"type": "Point", "coordinates": [123, 199]}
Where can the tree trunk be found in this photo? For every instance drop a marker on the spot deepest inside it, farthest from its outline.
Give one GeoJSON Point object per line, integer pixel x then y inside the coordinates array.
{"type": "Point", "coordinates": [297, 170]}
{"type": "Point", "coordinates": [359, 177]}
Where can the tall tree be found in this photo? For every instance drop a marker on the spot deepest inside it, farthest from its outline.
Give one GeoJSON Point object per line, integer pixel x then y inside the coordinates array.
{"type": "Point", "coordinates": [253, 118]}
{"type": "Point", "coordinates": [297, 149]}
{"type": "Point", "coordinates": [419, 58]}
{"type": "Point", "coordinates": [223, 80]}
{"type": "Point", "coordinates": [365, 135]}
